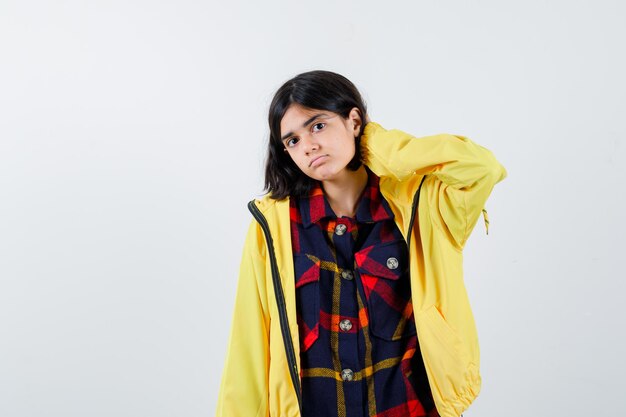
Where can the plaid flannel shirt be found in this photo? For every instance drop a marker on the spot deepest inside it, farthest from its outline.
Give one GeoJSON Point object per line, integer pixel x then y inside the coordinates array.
{"type": "Point", "coordinates": [359, 348]}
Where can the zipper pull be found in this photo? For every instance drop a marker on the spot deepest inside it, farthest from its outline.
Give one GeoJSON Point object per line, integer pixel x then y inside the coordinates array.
{"type": "Point", "coordinates": [486, 219]}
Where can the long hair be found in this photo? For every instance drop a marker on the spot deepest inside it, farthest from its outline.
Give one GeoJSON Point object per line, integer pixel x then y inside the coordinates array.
{"type": "Point", "coordinates": [320, 90]}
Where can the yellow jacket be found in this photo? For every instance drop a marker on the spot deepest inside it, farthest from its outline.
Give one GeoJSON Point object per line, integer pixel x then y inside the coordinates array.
{"type": "Point", "coordinates": [448, 179]}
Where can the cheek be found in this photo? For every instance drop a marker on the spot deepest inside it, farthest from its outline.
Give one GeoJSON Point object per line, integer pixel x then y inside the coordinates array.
{"type": "Point", "coordinates": [349, 147]}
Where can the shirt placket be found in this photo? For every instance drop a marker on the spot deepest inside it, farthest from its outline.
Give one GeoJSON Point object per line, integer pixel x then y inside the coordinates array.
{"type": "Point", "coordinates": [346, 322]}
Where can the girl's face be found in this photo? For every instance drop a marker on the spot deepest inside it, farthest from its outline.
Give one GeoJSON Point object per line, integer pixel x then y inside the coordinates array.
{"type": "Point", "coordinates": [320, 142]}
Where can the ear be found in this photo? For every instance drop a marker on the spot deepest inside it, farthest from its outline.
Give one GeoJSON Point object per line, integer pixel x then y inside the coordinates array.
{"type": "Point", "coordinates": [355, 119]}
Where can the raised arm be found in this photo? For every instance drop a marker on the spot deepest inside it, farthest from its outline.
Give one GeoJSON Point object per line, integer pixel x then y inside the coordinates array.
{"type": "Point", "coordinates": [463, 172]}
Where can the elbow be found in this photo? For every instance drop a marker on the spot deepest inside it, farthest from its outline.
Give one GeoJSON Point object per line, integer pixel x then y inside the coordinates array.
{"type": "Point", "coordinates": [486, 173]}
{"type": "Point", "coordinates": [494, 171]}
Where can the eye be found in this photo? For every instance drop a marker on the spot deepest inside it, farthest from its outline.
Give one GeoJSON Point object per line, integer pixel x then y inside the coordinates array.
{"type": "Point", "coordinates": [291, 142]}
{"type": "Point", "coordinates": [317, 124]}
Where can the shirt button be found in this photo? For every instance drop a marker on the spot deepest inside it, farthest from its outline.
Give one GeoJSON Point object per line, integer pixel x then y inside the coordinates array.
{"type": "Point", "coordinates": [347, 374]}
{"type": "Point", "coordinates": [340, 229]}
{"type": "Point", "coordinates": [392, 263]}
{"type": "Point", "coordinates": [345, 325]}
{"type": "Point", "coordinates": [347, 275]}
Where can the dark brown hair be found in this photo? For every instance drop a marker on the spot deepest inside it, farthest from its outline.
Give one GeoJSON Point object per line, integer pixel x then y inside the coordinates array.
{"type": "Point", "coordinates": [320, 90]}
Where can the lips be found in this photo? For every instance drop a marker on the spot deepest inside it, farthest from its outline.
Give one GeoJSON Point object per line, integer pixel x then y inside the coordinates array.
{"type": "Point", "coordinates": [314, 161]}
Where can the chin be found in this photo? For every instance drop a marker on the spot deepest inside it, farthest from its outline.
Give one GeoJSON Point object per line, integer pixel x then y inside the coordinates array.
{"type": "Point", "coordinates": [325, 174]}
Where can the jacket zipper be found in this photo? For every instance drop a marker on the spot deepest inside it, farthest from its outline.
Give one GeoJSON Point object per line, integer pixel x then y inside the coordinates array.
{"type": "Point", "coordinates": [416, 199]}
{"type": "Point", "coordinates": [280, 301]}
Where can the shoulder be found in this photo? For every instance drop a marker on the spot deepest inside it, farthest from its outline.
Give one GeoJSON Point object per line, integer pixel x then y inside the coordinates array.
{"type": "Point", "coordinates": [265, 203]}
{"type": "Point", "coordinates": [265, 212]}
{"type": "Point", "coordinates": [272, 209]}
{"type": "Point", "coordinates": [401, 192]}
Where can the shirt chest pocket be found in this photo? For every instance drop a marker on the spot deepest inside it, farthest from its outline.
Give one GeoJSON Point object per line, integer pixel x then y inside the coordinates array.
{"type": "Point", "coordinates": [384, 273]}
{"type": "Point", "coordinates": [307, 274]}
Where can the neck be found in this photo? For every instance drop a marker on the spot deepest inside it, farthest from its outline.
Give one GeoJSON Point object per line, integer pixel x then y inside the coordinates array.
{"type": "Point", "coordinates": [344, 193]}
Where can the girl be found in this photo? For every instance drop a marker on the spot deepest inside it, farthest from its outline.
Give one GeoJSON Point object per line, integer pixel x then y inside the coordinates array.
{"type": "Point", "coordinates": [350, 299]}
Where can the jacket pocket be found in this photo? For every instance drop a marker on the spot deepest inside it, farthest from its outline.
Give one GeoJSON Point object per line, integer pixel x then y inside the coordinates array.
{"type": "Point", "coordinates": [385, 283]}
{"type": "Point", "coordinates": [307, 275]}
{"type": "Point", "coordinates": [445, 356]}
{"type": "Point", "coordinates": [442, 332]}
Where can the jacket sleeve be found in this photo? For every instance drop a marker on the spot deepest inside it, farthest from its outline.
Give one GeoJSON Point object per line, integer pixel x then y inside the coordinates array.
{"type": "Point", "coordinates": [462, 172]}
{"type": "Point", "coordinates": [244, 384]}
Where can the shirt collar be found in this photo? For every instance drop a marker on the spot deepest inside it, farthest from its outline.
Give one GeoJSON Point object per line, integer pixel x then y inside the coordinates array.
{"type": "Point", "coordinates": [372, 207]}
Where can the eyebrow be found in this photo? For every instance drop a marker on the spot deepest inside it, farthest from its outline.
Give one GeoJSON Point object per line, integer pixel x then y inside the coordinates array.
{"type": "Point", "coordinates": [286, 135]}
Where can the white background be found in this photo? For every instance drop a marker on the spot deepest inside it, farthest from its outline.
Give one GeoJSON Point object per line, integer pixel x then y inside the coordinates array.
{"type": "Point", "coordinates": [132, 135]}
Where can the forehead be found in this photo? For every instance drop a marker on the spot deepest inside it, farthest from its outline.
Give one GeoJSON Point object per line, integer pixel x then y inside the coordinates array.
{"type": "Point", "coordinates": [296, 115]}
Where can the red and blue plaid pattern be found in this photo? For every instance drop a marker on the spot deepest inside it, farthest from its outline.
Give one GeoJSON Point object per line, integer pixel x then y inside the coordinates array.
{"type": "Point", "coordinates": [359, 348]}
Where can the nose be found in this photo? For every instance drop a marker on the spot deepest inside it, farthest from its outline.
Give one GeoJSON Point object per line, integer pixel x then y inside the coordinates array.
{"type": "Point", "coordinates": [310, 143]}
